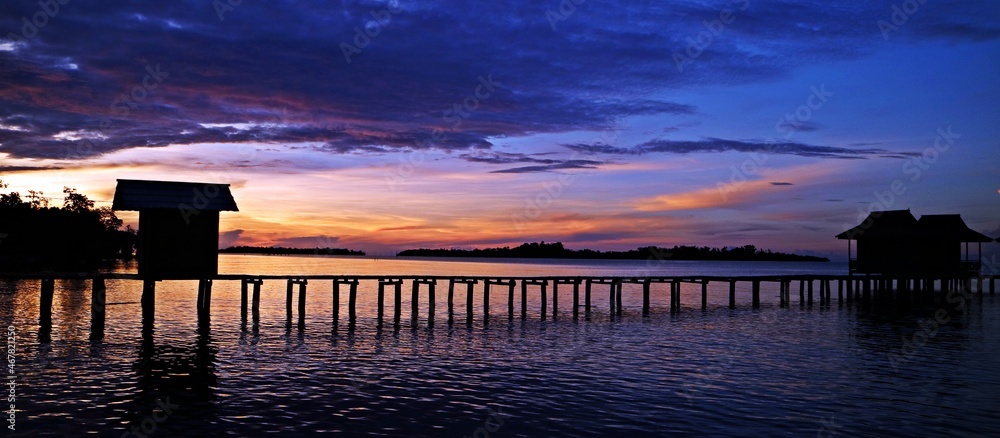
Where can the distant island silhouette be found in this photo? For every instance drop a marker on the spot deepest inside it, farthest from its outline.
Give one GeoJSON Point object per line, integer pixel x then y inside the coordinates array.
{"type": "Point", "coordinates": [278, 250]}
{"type": "Point", "coordinates": [558, 251]}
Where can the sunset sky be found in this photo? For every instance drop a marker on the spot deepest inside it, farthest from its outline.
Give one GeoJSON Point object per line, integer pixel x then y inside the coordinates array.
{"type": "Point", "coordinates": [603, 124]}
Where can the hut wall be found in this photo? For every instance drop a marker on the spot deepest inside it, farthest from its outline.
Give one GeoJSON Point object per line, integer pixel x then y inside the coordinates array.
{"type": "Point", "coordinates": [175, 244]}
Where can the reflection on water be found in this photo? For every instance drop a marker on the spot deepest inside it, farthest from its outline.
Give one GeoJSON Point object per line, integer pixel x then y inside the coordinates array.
{"type": "Point", "coordinates": [818, 371]}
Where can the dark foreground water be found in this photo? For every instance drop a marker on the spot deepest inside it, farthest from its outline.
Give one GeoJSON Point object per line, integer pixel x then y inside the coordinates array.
{"type": "Point", "coordinates": [819, 371]}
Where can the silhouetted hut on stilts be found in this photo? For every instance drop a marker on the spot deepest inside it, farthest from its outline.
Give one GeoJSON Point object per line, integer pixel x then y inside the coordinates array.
{"type": "Point", "coordinates": [178, 226]}
{"type": "Point", "coordinates": [894, 243]}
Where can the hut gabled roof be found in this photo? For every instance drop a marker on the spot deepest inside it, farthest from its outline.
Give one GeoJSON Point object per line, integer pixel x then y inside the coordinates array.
{"type": "Point", "coordinates": [134, 194]}
{"type": "Point", "coordinates": [883, 224]}
{"type": "Point", "coordinates": [951, 227]}
{"type": "Point", "coordinates": [902, 224]}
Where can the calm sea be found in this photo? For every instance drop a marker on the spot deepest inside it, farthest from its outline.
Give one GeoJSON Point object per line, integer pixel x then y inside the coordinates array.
{"type": "Point", "coordinates": [816, 371]}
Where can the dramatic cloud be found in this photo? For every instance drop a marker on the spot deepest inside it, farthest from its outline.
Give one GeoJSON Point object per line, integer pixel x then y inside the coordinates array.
{"type": "Point", "coordinates": [709, 145]}
{"type": "Point", "coordinates": [292, 71]}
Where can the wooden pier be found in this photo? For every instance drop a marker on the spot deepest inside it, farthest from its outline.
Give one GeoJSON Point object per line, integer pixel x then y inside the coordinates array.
{"type": "Point", "coordinates": [851, 289]}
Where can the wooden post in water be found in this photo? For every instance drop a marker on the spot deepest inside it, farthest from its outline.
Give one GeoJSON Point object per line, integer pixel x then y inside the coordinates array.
{"type": "Point", "coordinates": [431, 301]}
{"type": "Point", "coordinates": [802, 293]}
{"type": "Point", "coordinates": [45, 302]}
{"type": "Point", "coordinates": [993, 285]}
{"type": "Point", "coordinates": [645, 297]}
{"type": "Point", "coordinates": [380, 307]}
{"type": "Point", "coordinates": [544, 299]}
{"type": "Point", "coordinates": [336, 302]}
{"type": "Point", "coordinates": [244, 292]}
{"type": "Point", "coordinates": [486, 301]}
{"type": "Point", "coordinates": [732, 294]}
{"type": "Point", "coordinates": [398, 298]}
{"type": "Point", "coordinates": [289, 291]}
{"type": "Point", "coordinates": [148, 301]}
{"type": "Point", "coordinates": [586, 299]}
{"type": "Point", "coordinates": [840, 291]}
{"type": "Point", "coordinates": [979, 284]}
{"type": "Point", "coordinates": [302, 303]}
{"type": "Point", "coordinates": [576, 301]}
{"type": "Point", "coordinates": [618, 296]}
{"type": "Point", "coordinates": [510, 303]}
{"type": "Point", "coordinates": [524, 300]}
{"type": "Point", "coordinates": [675, 302]}
{"type": "Point", "coordinates": [755, 291]}
{"type": "Point", "coordinates": [809, 291]}
{"type": "Point", "coordinates": [704, 295]}
{"type": "Point", "coordinates": [850, 290]}
{"type": "Point", "coordinates": [468, 303]}
{"type": "Point", "coordinates": [414, 306]}
{"type": "Point", "coordinates": [255, 299]}
{"type": "Point", "coordinates": [451, 300]}
{"type": "Point", "coordinates": [611, 299]}
{"type": "Point", "coordinates": [98, 303]}
{"type": "Point", "coordinates": [352, 304]}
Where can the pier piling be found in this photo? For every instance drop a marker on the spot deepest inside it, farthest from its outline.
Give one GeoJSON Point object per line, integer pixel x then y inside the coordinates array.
{"type": "Point", "coordinates": [98, 303]}
{"type": "Point", "coordinates": [645, 297]}
{"type": "Point", "coordinates": [755, 294]}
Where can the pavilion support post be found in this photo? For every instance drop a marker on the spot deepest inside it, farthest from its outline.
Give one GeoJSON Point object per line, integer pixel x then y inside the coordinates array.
{"type": "Point", "coordinates": [840, 291]}
{"type": "Point", "coordinates": [98, 308]}
{"type": "Point", "coordinates": [979, 284]}
{"type": "Point", "coordinates": [993, 285]}
{"type": "Point", "coordinates": [148, 301]}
